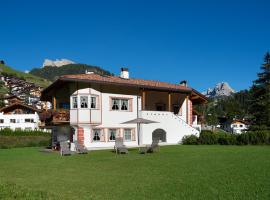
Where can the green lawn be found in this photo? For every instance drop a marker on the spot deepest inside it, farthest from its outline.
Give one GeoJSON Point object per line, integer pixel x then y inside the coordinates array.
{"type": "Point", "coordinates": [176, 172]}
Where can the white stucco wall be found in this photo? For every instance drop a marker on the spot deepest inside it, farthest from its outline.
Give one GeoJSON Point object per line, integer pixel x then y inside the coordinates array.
{"type": "Point", "coordinates": [20, 121]}
{"type": "Point", "coordinates": [173, 125]}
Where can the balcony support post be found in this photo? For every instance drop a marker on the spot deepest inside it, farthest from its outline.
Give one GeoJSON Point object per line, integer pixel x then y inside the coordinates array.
{"type": "Point", "coordinates": [169, 102]}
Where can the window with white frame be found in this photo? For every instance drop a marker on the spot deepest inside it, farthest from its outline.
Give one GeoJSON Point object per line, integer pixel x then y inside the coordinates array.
{"type": "Point", "coordinates": [94, 102]}
{"type": "Point", "coordinates": [96, 134]}
{"type": "Point", "coordinates": [1, 121]}
{"type": "Point", "coordinates": [112, 134]}
{"type": "Point", "coordinates": [12, 120]}
{"type": "Point", "coordinates": [74, 102]}
{"type": "Point", "coordinates": [127, 134]}
{"type": "Point", "coordinates": [84, 101]}
{"type": "Point", "coordinates": [120, 104]}
{"type": "Point", "coordinates": [124, 104]}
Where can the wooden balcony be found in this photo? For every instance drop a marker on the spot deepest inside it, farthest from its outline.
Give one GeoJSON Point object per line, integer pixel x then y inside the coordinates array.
{"type": "Point", "coordinates": [61, 116]}
{"type": "Point", "coordinates": [54, 117]}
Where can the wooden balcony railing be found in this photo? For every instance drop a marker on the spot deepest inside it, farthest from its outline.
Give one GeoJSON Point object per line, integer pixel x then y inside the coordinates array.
{"type": "Point", "coordinates": [51, 117]}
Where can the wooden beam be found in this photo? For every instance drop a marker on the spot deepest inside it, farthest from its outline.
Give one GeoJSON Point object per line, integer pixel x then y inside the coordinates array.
{"type": "Point", "coordinates": [54, 103]}
{"type": "Point", "coordinates": [46, 107]}
{"type": "Point", "coordinates": [143, 99]}
{"type": "Point", "coordinates": [187, 110]}
{"type": "Point", "coordinates": [169, 102]}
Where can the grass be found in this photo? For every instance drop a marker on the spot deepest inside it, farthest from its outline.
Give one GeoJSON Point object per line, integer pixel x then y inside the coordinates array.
{"type": "Point", "coordinates": [26, 76]}
{"type": "Point", "coordinates": [176, 172]}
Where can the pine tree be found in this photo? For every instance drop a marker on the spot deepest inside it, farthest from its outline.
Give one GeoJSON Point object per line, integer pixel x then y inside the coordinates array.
{"type": "Point", "coordinates": [260, 104]}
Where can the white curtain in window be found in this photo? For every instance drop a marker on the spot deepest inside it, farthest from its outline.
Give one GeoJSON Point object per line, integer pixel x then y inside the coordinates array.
{"type": "Point", "coordinates": [124, 105]}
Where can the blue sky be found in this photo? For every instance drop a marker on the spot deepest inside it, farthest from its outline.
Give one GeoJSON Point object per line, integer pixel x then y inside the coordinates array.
{"type": "Point", "coordinates": [203, 42]}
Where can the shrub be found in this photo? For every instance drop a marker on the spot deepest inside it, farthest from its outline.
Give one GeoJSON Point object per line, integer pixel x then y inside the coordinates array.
{"type": "Point", "coordinates": [19, 138]}
{"type": "Point", "coordinates": [208, 137]}
{"type": "Point", "coordinates": [190, 139]}
{"type": "Point", "coordinates": [226, 139]}
{"type": "Point", "coordinates": [23, 141]}
{"type": "Point", "coordinates": [10, 132]}
{"type": "Point", "coordinates": [258, 137]}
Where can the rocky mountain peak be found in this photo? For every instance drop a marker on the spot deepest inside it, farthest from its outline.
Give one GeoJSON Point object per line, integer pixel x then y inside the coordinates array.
{"type": "Point", "coordinates": [57, 63]}
{"type": "Point", "coordinates": [221, 89]}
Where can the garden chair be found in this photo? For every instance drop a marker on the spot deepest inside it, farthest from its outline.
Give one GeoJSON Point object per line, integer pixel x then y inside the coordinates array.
{"type": "Point", "coordinates": [154, 147]}
{"type": "Point", "coordinates": [80, 148]}
{"type": "Point", "coordinates": [64, 149]}
{"type": "Point", "coordinates": [119, 146]}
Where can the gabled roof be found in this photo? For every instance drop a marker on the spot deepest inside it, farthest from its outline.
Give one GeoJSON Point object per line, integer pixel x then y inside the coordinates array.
{"type": "Point", "coordinates": [12, 97]}
{"type": "Point", "coordinates": [16, 105]}
{"type": "Point", "coordinates": [118, 81]}
{"type": "Point", "coordinates": [240, 121]}
{"type": "Point", "coordinates": [115, 80]}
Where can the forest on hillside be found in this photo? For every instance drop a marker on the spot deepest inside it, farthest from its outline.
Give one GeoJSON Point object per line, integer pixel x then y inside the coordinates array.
{"type": "Point", "coordinates": [52, 73]}
{"type": "Point", "coordinates": [252, 104]}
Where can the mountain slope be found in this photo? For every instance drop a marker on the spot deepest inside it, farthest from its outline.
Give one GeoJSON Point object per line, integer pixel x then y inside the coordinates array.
{"type": "Point", "coordinates": [220, 90]}
{"type": "Point", "coordinates": [52, 73]}
{"type": "Point", "coordinates": [38, 81]}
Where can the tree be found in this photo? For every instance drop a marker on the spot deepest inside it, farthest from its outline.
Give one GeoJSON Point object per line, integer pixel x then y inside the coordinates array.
{"type": "Point", "coordinates": [260, 91]}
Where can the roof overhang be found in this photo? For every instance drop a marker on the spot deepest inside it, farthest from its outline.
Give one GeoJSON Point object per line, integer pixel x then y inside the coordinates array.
{"type": "Point", "coordinates": [62, 80]}
{"type": "Point", "coordinates": [197, 97]}
{"type": "Point", "coordinates": [15, 105]}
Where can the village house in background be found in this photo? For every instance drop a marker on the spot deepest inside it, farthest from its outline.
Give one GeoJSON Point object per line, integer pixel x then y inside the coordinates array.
{"type": "Point", "coordinates": [91, 109]}
{"type": "Point", "coordinates": [18, 116]}
{"type": "Point", "coordinates": [28, 93]}
{"type": "Point", "coordinates": [236, 126]}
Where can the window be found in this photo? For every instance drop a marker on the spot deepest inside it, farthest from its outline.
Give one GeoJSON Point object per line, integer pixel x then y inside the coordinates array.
{"type": "Point", "coordinates": [127, 134]}
{"type": "Point", "coordinates": [29, 120]}
{"type": "Point", "coordinates": [112, 134]}
{"type": "Point", "coordinates": [124, 104]}
{"type": "Point", "coordinates": [84, 101]}
{"type": "Point", "coordinates": [120, 104]}
{"type": "Point", "coordinates": [115, 104]}
{"type": "Point", "coordinates": [241, 125]}
{"type": "Point", "coordinates": [12, 120]}
{"type": "Point", "coordinates": [96, 134]}
{"type": "Point", "coordinates": [74, 102]}
{"type": "Point", "coordinates": [93, 102]}
{"type": "Point", "coordinates": [1, 121]}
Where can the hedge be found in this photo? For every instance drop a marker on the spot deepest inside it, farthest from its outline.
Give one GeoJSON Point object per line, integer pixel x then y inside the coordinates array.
{"type": "Point", "coordinates": [258, 137]}
{"type": "Point", "coordinates": [19, 138]}
{"type": "Point", "coordinates": [10, 132]}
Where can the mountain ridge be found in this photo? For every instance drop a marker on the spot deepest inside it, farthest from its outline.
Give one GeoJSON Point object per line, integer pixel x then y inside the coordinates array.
{"type": "Point", "coordinates": [52, 73]}
{"type": "Point", "coordinates": [220, 90]}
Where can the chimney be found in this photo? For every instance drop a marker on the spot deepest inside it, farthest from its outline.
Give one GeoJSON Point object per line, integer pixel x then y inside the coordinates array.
{"type": "Point", "coordinates": [124, 73]}
{"type": "Point", "coordinates": [88, 72]}
{"type": "Point", "coordinates": [184, 83]}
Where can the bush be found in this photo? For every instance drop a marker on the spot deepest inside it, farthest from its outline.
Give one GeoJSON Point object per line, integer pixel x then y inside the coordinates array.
{"type": "Point", "coordinates": [258, 137]}
{"type": "Point", "coordinates": [190, 139]}
{"type": "Point", "coordinates": [19, 138]}
{"type": "Point", "coordinates": [227, 139]}
{"type": "Point", "coordinates": [10, 132]}
{"type": "Point", "coordinates": [23, 141]}
{"type": "Point", "coordinates": [208, 137]}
